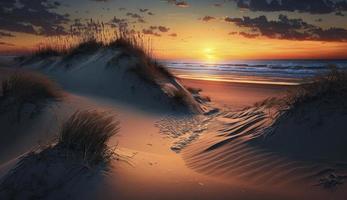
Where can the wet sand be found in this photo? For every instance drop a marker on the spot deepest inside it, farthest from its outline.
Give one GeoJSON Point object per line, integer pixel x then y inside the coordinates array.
{"type": "Point", "coordinates": [236, 95]}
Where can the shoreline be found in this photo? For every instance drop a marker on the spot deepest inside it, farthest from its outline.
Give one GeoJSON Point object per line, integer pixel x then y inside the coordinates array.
{"type": "Point", "coordinates": [261, 82]}
{"type": "Point", "coordinates": [243, 94]}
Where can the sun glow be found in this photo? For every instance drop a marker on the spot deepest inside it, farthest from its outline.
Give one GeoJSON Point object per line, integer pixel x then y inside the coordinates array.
{"type": "Point", "coordinates": [209, 55]}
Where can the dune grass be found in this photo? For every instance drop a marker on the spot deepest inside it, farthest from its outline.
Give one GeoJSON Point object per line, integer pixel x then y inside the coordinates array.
{"type": "Point", "coordinates": [86, 134]}
{"type": "Point", "coordinates": [197, 96]}
{"type": "Point", "coordinates": [86, 47]}
{"type": "Point", "coordinates": [80, 154]}
{"type": "Point", "coordinates": [45, 52]}
{"type": "Point", "coordinates": [193, 90]}
{"type": "Point", "coordinates": [91, 36]}
{"type": "Point", "coordinates": [27, 88]}
{"type": "Point", "coordinates": [330, 88]}
{"type": "Point", "coordinates": [98, 36]}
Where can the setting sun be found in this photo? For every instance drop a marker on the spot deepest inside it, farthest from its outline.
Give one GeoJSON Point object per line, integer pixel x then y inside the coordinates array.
{"type": "Point", "coordinates": [209, 55]}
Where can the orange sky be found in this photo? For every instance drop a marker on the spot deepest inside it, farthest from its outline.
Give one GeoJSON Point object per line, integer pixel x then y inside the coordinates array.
{"type": "Point", "coordinates": [214, 46]}
{"type": "Point", "coordinates": [211, 49]}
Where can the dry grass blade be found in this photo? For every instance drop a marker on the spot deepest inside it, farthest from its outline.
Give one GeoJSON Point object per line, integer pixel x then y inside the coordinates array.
{"type": "Point", "coordinates": [87, 133]}
{"type": "Point", "coordinates": [85, 47]}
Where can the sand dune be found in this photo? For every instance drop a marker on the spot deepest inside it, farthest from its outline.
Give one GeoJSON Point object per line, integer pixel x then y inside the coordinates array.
{"type": "Point", "coordinates": [229, 147]}
{"type": "Point", "coordinates": [131, 80]}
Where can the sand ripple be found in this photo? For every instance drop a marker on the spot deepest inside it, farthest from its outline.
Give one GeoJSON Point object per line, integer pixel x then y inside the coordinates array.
{"type": "Point", "coordinates": [223, 145]}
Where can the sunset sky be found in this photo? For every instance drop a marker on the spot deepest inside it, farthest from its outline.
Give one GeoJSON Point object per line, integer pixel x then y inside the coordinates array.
{"type": "Point", "coordinates": [208, 30]}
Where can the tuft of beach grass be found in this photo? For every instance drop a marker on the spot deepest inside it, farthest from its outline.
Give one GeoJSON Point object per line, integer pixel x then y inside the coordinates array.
{"type": "Point", "coordinates": [86, 134]}
{"type": "Point", "coordinates": [27, 88]}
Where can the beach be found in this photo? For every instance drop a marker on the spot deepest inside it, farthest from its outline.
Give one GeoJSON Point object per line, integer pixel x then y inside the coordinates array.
{"type": "Point", "coordinates": [150, 164]}
{"type": "Point", "coordinates": [237, 95]}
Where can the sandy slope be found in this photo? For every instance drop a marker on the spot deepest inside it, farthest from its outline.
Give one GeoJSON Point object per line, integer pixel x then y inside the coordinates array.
{"type": "Point", "coordinates": [229, 149]}
{"type": "Point", "coordinates": [107, 73]}
{"type": "Point", "coordinates": [317, 133]}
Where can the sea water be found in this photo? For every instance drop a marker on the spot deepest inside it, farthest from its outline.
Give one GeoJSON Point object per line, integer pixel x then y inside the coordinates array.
{"type": "Point", "coordinates": [288, 72]}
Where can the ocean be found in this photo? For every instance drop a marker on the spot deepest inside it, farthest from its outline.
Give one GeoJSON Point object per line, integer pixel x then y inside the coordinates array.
{"type": "Point", "coordinates": [283, 72]}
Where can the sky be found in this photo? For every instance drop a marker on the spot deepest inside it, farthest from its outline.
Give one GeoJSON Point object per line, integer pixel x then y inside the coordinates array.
{"type": "Point", "coordinates": [206, 30]}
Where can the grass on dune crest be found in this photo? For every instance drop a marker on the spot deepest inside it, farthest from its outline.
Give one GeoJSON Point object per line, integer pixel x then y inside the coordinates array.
{"type": "Point", "coordinates": [91, 36]}
{"type": "Point", "coordinates": [98, 36]}
{"type": "Point", "coordinates": [135, 46]}
{"type": "Point", "coordinates": [329, 88]}
{"type": "Point", "coordinates": [86, 47]}
{"type": "Point", "coordinates": [27, 88]}
{"type": "Point", "coordinates": [44, 52]}
{"type": "Point", "coordinates": [86, 134]}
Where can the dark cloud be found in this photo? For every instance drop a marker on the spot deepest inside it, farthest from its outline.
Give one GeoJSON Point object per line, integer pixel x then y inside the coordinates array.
{"type": "Point", "coordinates": [6, 44]}
{"type": "Point", "coordinates": [339, 14]}
{"type": "Point", "coordinates": [150, 32]}
{"type": "Point", "coordinates": [207, 18]}
{"type": "Point", "coordinates": [32, 16]}
{"type": "Point", "coordinates": [143, 10]}
{"type": "Point", "coordinates": [119, 23]}
{"type": "Point", "coordinates": [107, 9]}
{"type": "Point", "coordinates": [173, 35]}
{"type": "Point", "coordinates": [233, 20]}
{"type": "Point", "coordinates": [163, 29]}
{"type": "Point", "coordinates": [155, 30]}
{"type": "Point", "coordinates": [217, 4]}
{"type": "Point", "coordinates": [248, 35]}
{"type": "Point", "coordinates": [289, 29]}
{"type": "Point", "coordinates": [141, 20]}
{"type": "Point", "coordinates": [308, 6]}
{"type": "Point", "coordinates": [5, 34]}
{"type": "Point", "coordinates": [136, 16]}
{"type": "Point", "coordinates": [78, 27]}
{"type": "Point", "coordinates": [181, 4]}
{"type": "Point", "coordinates": [101, 0]}
{"type": "Point", "coordinates": [150, 13]}
{"type": "Point", "coordinates": [245, 34]}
